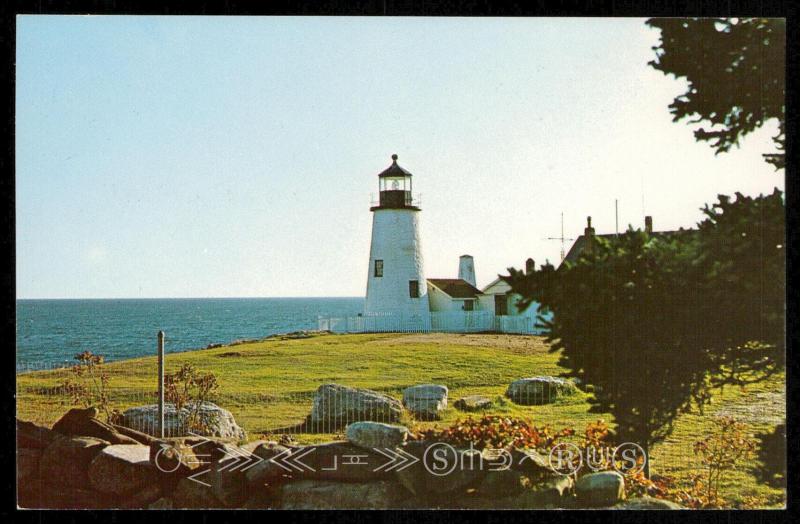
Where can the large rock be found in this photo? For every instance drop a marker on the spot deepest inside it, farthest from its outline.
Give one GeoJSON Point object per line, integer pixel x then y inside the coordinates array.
{"type": "Point", "coordinates": [539, 390]}
{"type": "Point", "coordinates": [84, 423]}
{"type": "Point", "coordinates": [50, 495]}
{"type": "Point", "coordinates": [425, 401]}
{"type": "Point", "coordinates": [440, 468]}
{"type": "Point", "coordinates": [532, 463]}
{"type": "Point", "coordinates": [320, 494]}
{"type": "Point", "coordinates": [646, 502]}
{"type": "Point", "coordinates": [162, 503]}
{"type": "Point", "coordinates": [191, 494]}
{"type": "Point", "coordinates": [227, 475]}
{"type": "Point", "coordinates": [335, 406]}
{"type": "Point", "coordinates": [473, 403]}
{"type": "Point", "coordinates": [550, 494]}
{"type": "Point", "coordinates": [66, 460]}
{"type": "Point", "coordinates": [123, 469]}
{"type": "Point", "coordinates": [141, 498]}
{"type": "Point", "coordinates": [267, 473]}
{"type": "Point", "coordinates": [341, 461]}
{"type": "Point", "coordinates": [218, 422]}
{"type": "Point", "coordinates": [28, 464]}
{"type": "Point", "coordinates": [604, 488]}
{"type": "Point", "coordinates": [501, 483]}
{"type": "Point", "coordinates": [371, 435]}
{"type": "Point", "coordinates": [29, 435]}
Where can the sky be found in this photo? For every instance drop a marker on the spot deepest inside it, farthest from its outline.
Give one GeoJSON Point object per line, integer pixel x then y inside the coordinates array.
{"type": "Point", "coordinates": [236, 156]}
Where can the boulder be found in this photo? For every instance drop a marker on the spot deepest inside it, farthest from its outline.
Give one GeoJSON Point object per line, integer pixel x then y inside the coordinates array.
{"type": "Point", "coordinates": [646, 502]}
{"type": "Point", "coordinates": [539, 390]}
{"type": "Point", "coordinates": [50, 495]}
{"type": "Point", "coordinates": [142, 498]}
{"type": "Point", "coordinates": [425, 401]}
{"type": "Point", "coordinates": [550, 494]}
{"type": "Point", "coordinates": [440, 468]}
{"type": "Point", "coordinates": [263, 499]}
{"type": "Point", "coordinates": [553, 491]}
{"type": "Point", "coordinates": [162, 503]}
{"type": "Point", "coordinates": [123, 469]}
{"type": "Point", "coordinates": [218, 422]}
{"type": "Point", "coordinates": [175, 459]}
{"type": "Point", "coordinates": [320, 494]}
{"type": "Point", "coordinates": [340, 461]}
{"type": "Point", "coordinates": [266, 473]}
{"type": "Point", "coordinates": [604, 488]}
{"type": "Point", "coordinates": [371, 435]}
{"type": "Point", "coordinates": [227, 476]}
{"type": "Point", "coordinates": [335, 406]}
{"type": "Point", "coordinates": [66, 460]}
{"type": "Point", "coordinates": [501, 483]}
{"type": "Point", "coordinates": [84, 423]}
{"type": "Point", "coordinates": [28, 464]}
{"type": "Point", "coordinates": [531, 463]}
{"type": "Point", "coordinates": [473, 403]}
{"type": "Point", "coordinates": [29, 435]}
{"type": "Point", "coordinates": [191, 494]}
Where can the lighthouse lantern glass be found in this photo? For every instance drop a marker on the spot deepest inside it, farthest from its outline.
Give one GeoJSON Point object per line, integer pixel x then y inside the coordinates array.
{"type": "Point", "coordinates": [395, 183]}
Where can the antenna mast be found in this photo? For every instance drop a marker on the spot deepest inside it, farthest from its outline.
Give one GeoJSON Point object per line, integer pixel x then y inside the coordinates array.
{"type": "Point", "coordinates": [561, 238]}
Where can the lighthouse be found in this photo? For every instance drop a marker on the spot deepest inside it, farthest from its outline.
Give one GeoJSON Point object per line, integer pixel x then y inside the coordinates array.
{"type": "Point", "coordinates": [396, 282]}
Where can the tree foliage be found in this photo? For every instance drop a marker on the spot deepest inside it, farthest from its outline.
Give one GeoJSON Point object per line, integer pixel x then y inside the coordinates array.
{"type": "Point", "coordinates": [655, 321]}
{"type": "Point", "coordinates": [735, 74]}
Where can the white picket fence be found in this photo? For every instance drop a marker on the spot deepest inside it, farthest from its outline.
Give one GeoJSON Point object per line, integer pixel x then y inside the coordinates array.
{"type": "Point", "coordinates": [438, 321]}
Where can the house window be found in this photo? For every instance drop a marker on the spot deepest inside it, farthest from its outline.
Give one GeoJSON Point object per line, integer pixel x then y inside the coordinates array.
{"type": "Point", "coordinates": [379, 268]}
{"type": "Point", "coordinates": [469, 305]}
{"type": "Point", "coordinates": [413, 288]}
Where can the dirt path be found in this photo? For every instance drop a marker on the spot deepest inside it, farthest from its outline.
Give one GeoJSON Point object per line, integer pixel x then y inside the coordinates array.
{"type": "Point", "coordinates": [761, 408]}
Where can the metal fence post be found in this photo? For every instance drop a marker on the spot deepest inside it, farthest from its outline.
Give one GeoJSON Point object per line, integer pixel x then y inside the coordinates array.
{"type": "Point", "coordinates": [161, 384]}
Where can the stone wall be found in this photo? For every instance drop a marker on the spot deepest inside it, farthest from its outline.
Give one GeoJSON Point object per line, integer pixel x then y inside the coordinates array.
{"type": "Point", "coordinates": [89, 464]}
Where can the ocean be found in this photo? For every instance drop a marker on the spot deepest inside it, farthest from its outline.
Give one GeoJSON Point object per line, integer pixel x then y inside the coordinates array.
{"type": "Point", "coordinates": [50, 332]}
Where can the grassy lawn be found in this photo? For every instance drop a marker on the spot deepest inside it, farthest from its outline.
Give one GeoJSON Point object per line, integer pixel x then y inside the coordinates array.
{"type": "Point", "coordinates": [270, 384]}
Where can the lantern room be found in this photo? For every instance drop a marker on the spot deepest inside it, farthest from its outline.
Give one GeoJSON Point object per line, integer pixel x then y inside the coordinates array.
{"type": "Point", "coordinates": [394, 187]}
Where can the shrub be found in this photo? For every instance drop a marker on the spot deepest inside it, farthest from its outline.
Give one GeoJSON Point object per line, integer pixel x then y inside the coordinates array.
{"type": "Point", "coordinates": [88, 385]}
{"type": "Point", "coordinates": [492, 431]}
{"type": "Point", "coordinates": [189, 388]}
{"type": "Point", "coordinates": [720, 452]}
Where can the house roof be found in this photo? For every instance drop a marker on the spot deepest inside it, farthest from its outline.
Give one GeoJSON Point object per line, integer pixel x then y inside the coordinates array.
{"type": "Point", "coordinates": [580, 243]}
{"type": "Point", "coordinates": [492, 284]}
{"type": "Point", "coordinates": [455, 287]}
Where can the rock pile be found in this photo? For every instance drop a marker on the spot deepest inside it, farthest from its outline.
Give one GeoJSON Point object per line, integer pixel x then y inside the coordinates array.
{"type": "Point", "coordinates": [379, 466]}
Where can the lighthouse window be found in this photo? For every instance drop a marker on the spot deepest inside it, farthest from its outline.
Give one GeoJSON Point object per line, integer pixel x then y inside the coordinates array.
{"type": "Point", "coordinates": [413, 288]}
{"type": "Point", "coordinates": [379, 268]}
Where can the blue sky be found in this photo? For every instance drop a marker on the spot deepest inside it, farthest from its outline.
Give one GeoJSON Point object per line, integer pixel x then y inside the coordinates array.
{"type": "Point", "coordinates": [235, 156]}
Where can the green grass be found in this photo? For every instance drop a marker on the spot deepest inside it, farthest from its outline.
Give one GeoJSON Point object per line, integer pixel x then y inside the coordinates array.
{"type": "Point", "coordinates": [270, 384]}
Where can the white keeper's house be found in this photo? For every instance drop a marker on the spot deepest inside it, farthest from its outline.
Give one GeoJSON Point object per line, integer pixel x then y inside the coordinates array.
{"type": "Point", "coordinates": [401, 298]}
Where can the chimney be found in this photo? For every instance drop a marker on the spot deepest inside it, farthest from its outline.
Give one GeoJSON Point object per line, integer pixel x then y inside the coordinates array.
{"type": "Point", "coordinates": [648, 224]}
{"type": "Point", "coordinates": [530, 266]}
{"type": "Point", "coordinates": [466, 269]}
{"type": "Point", "coordinates": [588, 232]}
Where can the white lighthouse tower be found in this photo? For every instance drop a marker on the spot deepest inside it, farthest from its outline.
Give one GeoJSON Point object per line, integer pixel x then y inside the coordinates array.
{"type": "Point", "coordinates": [396, 282]}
